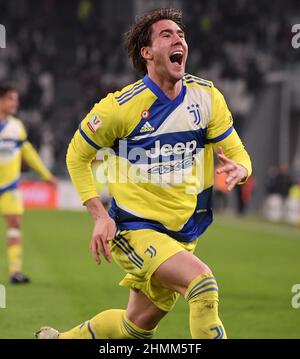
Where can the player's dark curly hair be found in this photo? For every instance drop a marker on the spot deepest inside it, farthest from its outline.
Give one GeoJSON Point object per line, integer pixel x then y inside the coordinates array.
{"type": "Point", "coordinates": [5, 88]}
{"type": "Point", "coordinates": [139, 34]}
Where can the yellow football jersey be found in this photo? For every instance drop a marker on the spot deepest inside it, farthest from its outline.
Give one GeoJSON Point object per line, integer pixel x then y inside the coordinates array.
{"type": "Point", "coordinates": [160, 157]}
{"type": "Point", "coordinates": [13, 147]}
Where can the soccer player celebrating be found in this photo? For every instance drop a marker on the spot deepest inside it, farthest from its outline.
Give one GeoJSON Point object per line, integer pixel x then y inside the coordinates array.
{"type": "Point", "coordinates": [161, 131]}
{"type": "Point", "coordinates": [14, 147]}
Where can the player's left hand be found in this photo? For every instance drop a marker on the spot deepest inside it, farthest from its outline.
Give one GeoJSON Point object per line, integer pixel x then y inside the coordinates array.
{"type": "Point", "coordinates": [52, 181]}
{"type": "Point", "coordinates": [236, 173]}
{"type": "Point", "coordinates": [103, 233]}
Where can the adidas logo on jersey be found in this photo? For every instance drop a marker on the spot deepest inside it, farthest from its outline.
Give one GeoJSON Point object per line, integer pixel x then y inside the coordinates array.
{"type": "Point", "coordinates": [146, 128]}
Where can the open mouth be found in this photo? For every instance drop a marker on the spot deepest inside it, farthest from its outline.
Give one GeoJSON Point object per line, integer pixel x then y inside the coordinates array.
{"type": "Point", "coordinates": [176, 58]}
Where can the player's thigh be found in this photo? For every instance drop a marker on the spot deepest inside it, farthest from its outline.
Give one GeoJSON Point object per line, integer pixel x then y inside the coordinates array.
{"type": "Point", "coordinates": [142, 312]}
{"type": "Point", "coordinates": [178, 272]}
{"type": "Point", "coordinates": [140, 253]}
{"type": "Point", "coordinates": [11, 207]}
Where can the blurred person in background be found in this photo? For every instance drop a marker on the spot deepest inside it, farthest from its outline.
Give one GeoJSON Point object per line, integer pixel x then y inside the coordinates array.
{"type": "Point", "coordinates": [244, 194]}
{"type": "Point", "coordinates": [280, 181]}
{"type": "Point", "coordinates": [14, 147]}
{"type": "Point", "coordinates": [278, 185]}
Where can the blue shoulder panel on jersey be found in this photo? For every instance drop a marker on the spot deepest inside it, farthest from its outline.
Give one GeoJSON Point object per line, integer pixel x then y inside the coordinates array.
{"type": "Point", "coordinates": [195, 226]}
{"type": "Point", "coordinates": [88, 140]}
{"type": "Point", "coordinates": [10, 187]}
{"type": "Point", "coordinates": [221, 137]}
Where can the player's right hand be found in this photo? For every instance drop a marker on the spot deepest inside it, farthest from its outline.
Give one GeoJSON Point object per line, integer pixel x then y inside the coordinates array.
{"type": "Point", "coordinates": [104, 232]}
{"type": "Point", "coordinates": [52, 181]}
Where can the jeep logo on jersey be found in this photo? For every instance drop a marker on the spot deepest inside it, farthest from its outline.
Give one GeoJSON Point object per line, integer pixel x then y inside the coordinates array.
{"type": "Point", "coordinates": [168, 168]}
{"type": "Point", "coordinates": [94, 123]}
{"type": "Point", "coordinates": [7, 147]}
{"type": "Point", "coordinates": [167, 149]}
{"type": "Point", "coordinates": [194, 109]}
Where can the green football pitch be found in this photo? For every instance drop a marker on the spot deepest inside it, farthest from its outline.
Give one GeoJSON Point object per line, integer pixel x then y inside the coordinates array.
{"type": "Point", "coordinates": [255, 263]}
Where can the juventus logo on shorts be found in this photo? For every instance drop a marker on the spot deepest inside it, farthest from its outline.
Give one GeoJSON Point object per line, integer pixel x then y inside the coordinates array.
{"type": "Point", "coordinates": [151, 250]}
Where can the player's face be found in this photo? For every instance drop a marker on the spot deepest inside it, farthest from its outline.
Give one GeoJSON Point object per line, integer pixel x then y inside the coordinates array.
{"type": "Point", "coordinates": [168, 50]}
{"type": "Point", "coordinates": [9, 103]}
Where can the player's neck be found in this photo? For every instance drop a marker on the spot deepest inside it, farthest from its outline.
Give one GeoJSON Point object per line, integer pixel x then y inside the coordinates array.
{"type": "Point", "coordinates": [170, 89]}
{"type": "Point", "coordinates": [3, 116]}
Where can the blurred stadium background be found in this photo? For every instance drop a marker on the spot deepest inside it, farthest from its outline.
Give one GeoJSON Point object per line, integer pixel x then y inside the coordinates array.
{"type": "Point", "coordinates": [63, 56]}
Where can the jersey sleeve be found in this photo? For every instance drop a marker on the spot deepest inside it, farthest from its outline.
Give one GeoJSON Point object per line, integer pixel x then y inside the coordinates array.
{"type": "Point", "coordinates": [234, 149]}
{"type": "Point", "coordinates": [34, 161]}
{"type": "Point", "coordinates": [221, 124]}
{"type": "Point", "coordinates": [100, 128]}
{"type": "Point", "coordinates": [30, 155]}
{"type": "Point", "coordinates": [222, 133]}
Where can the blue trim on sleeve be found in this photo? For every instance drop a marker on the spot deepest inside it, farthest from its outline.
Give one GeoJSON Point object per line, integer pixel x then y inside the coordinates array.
{"type": "Point", "coordinates": [12, 186]}
{"type": "Point", "coordinates": [18, 143]}
{"type": "Point", "coordinates": [221, 137]}
{"type": "Point", "coordinates": [88, 140]}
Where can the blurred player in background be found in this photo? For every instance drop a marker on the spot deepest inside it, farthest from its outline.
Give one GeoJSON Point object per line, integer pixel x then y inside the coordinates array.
{"type": "Point", "coordinates": [152, 227]}
{"type": "Point", "coordinates": [14, 147]}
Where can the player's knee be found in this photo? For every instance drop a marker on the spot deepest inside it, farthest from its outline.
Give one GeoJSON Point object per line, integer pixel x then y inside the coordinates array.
{"type": "Point", "coordinates": [180, 270]}
{"type": "Point", "coordinates": [199, 271]}
{"type": "Point", "coordinates": [13, 236]}
{"type": "Point", "coordinates": [13, 222]}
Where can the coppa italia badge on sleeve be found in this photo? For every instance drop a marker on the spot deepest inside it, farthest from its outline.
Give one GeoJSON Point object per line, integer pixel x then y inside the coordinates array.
{"type": "Point", "coordinates": [94, 123]}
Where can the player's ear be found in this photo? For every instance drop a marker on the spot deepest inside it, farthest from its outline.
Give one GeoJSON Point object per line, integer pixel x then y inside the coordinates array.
{"type": "Point", "coordinates": [146, 53]}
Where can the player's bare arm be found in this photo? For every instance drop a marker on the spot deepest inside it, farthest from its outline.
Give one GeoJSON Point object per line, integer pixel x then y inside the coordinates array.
{"type": "Point", "coordinates": [52, 181]}
{"type": "Point", "coordinates": [236, 172]}
{"type": "Point", "coordinates": [103, 232]}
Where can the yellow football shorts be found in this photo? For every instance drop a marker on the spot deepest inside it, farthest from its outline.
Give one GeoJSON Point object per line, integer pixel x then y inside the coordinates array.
{"type": "Point", "coordinates": [11, 202]}
{"type": "Point", "coordinates": [140, 253]}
